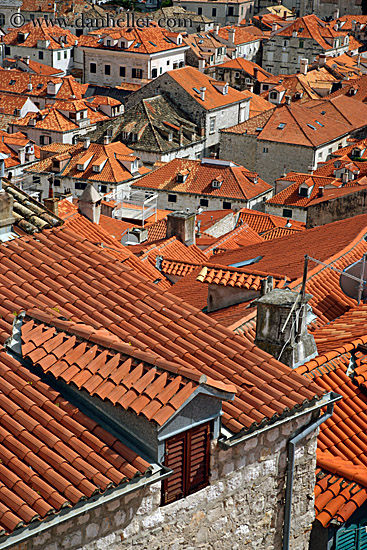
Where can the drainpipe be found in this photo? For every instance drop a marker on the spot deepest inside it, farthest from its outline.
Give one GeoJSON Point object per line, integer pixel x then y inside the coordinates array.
{"type": "Point", "coordinates": [292, 443]}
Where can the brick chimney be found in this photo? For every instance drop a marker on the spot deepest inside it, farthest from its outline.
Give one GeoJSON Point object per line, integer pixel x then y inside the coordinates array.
{"type": "Point", "coordinates": [182, 225]}
{"type": "Point", "coordinates": [287, 341]}
{"type": "Point", "coordinates": [90, 204]}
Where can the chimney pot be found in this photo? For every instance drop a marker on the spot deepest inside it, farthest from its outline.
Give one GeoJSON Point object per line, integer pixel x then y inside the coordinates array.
{"type": "Point", "coordinates": [321, 191]}
{"type": "Point", "coordinates": [182, 225]}
{"type": "Point", "coordinates": [202, 93]}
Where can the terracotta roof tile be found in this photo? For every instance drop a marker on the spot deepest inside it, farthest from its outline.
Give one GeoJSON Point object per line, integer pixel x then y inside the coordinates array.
{"type": "Point", "coordinates": [51, 454]}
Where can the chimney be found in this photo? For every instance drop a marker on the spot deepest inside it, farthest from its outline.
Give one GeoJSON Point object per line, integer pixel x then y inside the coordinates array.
{"type": "Point", "coordinates": [336, 13]}
{"type": "Point", "coordinates": [202, 93]}
{"type": "Point", "coordinates": [354, 23]}
{"type": "Point", "coordinates": [201, 65]}
{"type": "Point", "coordinates": [256, 72]}
{"type": "Point", "coordinates": [345, 177]}
{"type": "Point", "coordinates": [287, 341]}
{"type": "Point", "coordinates": [216, 30]}
{"type": "Point", "coordinates": [231, 35]}
{"type": "Point", "coordinates": [294, 34]}
{"type": "Point", "coordinates": [26, 59]}
{"type": "Point", "coordinates": [182, 225]}
{"type": "Point", "coordinates": [29, 86]}
{"type": "Point", "coordinates": [6, 205]}
{"type": "Point", "coordinates": [106, 140]}
{"type": "Point", "coordinates": [321, 191]}
{"type": "Point", "coordinates": [303, 66]}
{"type": "Point", "coordinates": [90, 204]}
{"type": "Point", "coordinates": [273, 27]}
{"type": "Point", "coordinates": [322, 59]}
{"type": "Point", "coordinates": [52, 204]}
{"type": "Point", "coordinates": [86, 143]}
{"type": "Point", "coordinates": [288, 99]}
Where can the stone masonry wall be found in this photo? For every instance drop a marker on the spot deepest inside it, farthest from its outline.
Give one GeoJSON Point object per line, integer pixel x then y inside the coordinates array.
{"type": "Point", "coordinates": [241, 509]}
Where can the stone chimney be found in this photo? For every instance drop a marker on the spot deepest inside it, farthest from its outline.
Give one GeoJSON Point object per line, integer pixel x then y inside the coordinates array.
{"type": "Point", "coordinates": [303, 66]}
{"type": "Point", "coordinates": [231, 35]}
{"type": "Point", "coordinates": [288, 99]}
{"type": "Point", "coordinates": [256, 73]}
{"type": "Point", "coordinates": [52, 204]}
{"type": "Point", "coordinates": [6, 205]}
{"type": "Point", "coordinates": [273, 27]}
{"type": "Point", "coordinates": [202, 93]}
{"type": "Point", "coordinates": [182, 225]}
{"type": "Point", "coordinates": [322, 59]}
{"type": "Point", "coordinates": [354, 24]}
{"type": "Point", "coordinates": [90, 204]}
{"type": "Point", "coordinates": [201, 65]}
{"type": "Point", "coordinates": [345, 177]}
{"type": "Point", "coordinates": [106, 140]}
{"type": "Point", "coordinates": [86, 142]}
{"type": "Point", "coordinates": [321, 191]}
{"type": "Point", "coordinates": [287, 341]}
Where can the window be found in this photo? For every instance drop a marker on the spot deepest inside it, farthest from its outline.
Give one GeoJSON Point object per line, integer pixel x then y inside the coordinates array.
{"type": "Point", "coordinates": [7, 50]}
{"type": "Point", "coordinates": [265, 150]}
{"type": "Point", "coordinates": [36, 180]}
{"type": "Point", "coordinates": [57, 183]}
{"type": "Point", "coordinates": [107, 69]}
{"type": "Point", "coordinates": [80, 185]}
{"type": "Point", "coordinates": [273, 95]}
{"type": "Point", "coordinates": [154, 73]}
{"type": "Point", "coordinates": [301, 43]}
{"type": "Point", "coordinates": [230, 10]}
{"type": "Point", "coordinates": [58, 56]}
{"type": "Point", "coordinates": [102, 188]}
{"type": "Point", "coordinates": [40, 55]}
{"type": "Point", "coordinates": [65, 54]}
{"type": "Point", "coordinates": [2, 19]}
{"type": "Point", "coordinates": [214, 12]}
{"type": "Point", "coordinates": [303, 192]}
{"type": "Point", "coordinates": [200, 11]}
{"type": "Point", "coordinates": [123, 71]}
{"type": "Point", "coordinates": [287, 213]}
{"type": "Point", "coordinates": [265, 87]}
{"type": "Point", "coordinates": [108, 42]}
{"type": "Point", "coordinates": [227, 205]}
{"type": "Point", "coordinates": [204, 202]}
{"type": "Point", "coordinates": [45, 140]}
{"type": "Point", "coordinates": [212, 124]}
{"type": "Point", "coordinates": [136, 73]}
{"type": "Point", "coordinates": [172, 198]}
{"type": "Point", "coordinates": [188, 455]}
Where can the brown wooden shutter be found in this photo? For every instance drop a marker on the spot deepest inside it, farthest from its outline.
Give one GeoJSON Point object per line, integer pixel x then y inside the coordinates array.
{"type": "Point", "coordinates": [187, 454]}
{"type": "Point", "coordinates": [198, 468]}
{"type": "Point", "coordinates": [174, 485]}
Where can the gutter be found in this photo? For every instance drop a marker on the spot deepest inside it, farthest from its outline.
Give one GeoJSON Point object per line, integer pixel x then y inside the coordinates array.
{"type": "Point", "coordinates": [36, 528]}
{"type": "Point", "coordinates": [292, 443]}
{"type": "Point", "coordinates": [228, 440]}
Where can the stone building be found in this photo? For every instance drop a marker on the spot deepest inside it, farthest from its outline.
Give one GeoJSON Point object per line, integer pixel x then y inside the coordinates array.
{"type": "Point", "coordinates": [129, 55]}
{"type": "Point", "coordinates": [293, 137]}
{"type": "Point", "coordinates": [224, 12]}
{"type": "Point", "coordinates": [210, 183]}
{"type": "Point", "coordinates": [239, 42]}
{"type": "Point", "coordinates": [210, 104]}
{"type": "Point", "coordinates": [51, 45]}
{"type": "Point", "coordinates": [304, 38]}
{"type": "Point", "coordinates": [240, 73]}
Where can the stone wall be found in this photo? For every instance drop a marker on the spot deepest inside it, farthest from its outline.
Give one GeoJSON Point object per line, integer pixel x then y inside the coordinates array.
{"type": "Point", "coordinates": [241, 509]}
{"type": "Point", "coordinates": [337, 209]}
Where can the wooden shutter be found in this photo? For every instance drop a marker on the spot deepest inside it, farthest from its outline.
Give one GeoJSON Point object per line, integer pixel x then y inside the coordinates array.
{"type": "Point", "coordinates": [198, 468]}
{"type": "Point", "coordinates": [187, 454]}
{"type": "Point", "coordinates": [174, 485]}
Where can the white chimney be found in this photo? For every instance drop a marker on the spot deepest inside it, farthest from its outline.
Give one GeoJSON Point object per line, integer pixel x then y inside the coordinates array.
{"type": "Point", "coordinates": [336, 13]}
{"type": "Point", "coordinates": [303, 66]}
{"type": "Point", "coordinates": [202, 93]}
{"type": "Point", "coordinates": [322, 59]}
{"type": "Point", "coordinates": [345, 177]}
{"type": "Point", "coordinates": [29, 86]}
{"type": "Point", "coordinates": [295, 34]}
{"type": "Point", "coordinates": [201, 65]}
{"type": "Point", "coordinates": [273, 27]}
{"type": "Point", "coordinates": [86, 143]}
{"type": "Point", "coordinates": [106, 140]}
{"type": "Point", "coordinates": [26, 59]}
{"type": "Point", "coordinates": [90, 204]}
{"type": "Point", "coordinates": [216, 30]}
{"type": "Point", "coordinates": [288, 99]}
{"type": "Point", "coordinates": [354, 23]}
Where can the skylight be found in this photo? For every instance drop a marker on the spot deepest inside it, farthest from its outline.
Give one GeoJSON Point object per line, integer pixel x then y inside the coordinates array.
{"type": "Point", "coordinates": [12, 82]}
{"type": "Point", "coordinates": [319, 123]}
{"type": "Point", "coordinates": [137, 45]}
{"type": "Point", "coordinates": [152, 43]}
{"type": "Point", "coordinates": [312, 127]}
{"type": "Point", "coordinates": [323, 112]}
{"type": "Point", "coordinates": [247, 262]}
{"type": "Point", "coordinates": [281, 126]}
{"type": "Point", "coordinates": [196, 90]}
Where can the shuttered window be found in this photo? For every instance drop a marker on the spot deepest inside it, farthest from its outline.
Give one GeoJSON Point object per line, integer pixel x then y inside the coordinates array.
{"type": "Point", "coordinates": [187, 454]}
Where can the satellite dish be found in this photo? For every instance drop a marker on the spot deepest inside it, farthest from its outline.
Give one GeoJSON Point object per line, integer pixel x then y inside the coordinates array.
{"type": "Point", "coordinates": [353, 288]}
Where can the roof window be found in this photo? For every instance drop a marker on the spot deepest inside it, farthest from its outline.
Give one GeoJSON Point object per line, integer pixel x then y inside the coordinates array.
{"type": "Point", "coordinates": [310, 126]}
{"type": "Point", "coordinates": [281, 126]}
{"type": "Point", "coordinates": [319, 123]}
{"type": "Point", "coordinates": [247, 262]}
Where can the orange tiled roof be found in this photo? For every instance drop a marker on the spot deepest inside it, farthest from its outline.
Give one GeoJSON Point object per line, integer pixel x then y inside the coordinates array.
{"type": "Point", "coordinates": [32, 33]}
{"type": "Point", "coordinates": [238, 182]}
{"type": "Point", "coordinates": [286, 255]}
{"type": "Point", "coordinates": [138, 381]}
{"type": "Point", "coordinates": [68, 277]}
{"type": "Point", "coordinates": [241, 64]}
{"type": "Point", "coordinates": [170, 248]}
{"type": "Point", "coordinates": [191, 80]}
{"type": "Point", "coordinates": [241, 236]}
{"type": "Point", "coordinates": [258, 104]}
{"type": "Point", "coordinates": [147, 40]}
{"type": "Point", "coordinates": [52, 455]}
{"type": "Point", "coordinates": [278, 233]}
{"type": "Point", "coordinates": [310, 26]}
{"type": "Point", "coordinates": [241, 36]}
{"type": "Point", "coordinates": [261, 222]}
{"type": "Point", "coordinates": [16, 82]}
{"type": "Point", "coordinates": [219, 275]}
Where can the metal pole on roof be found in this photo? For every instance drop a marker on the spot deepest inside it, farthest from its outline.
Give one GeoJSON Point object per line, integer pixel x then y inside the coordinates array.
{"type": "Point", "coordinates": [302, 293]}
{"type": "Point", "coordinates": [361, 282]}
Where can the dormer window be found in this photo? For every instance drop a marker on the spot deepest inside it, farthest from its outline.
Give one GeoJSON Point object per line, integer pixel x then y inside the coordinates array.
{"type": "Point", "coordinates": [182, 176]}
{"type": "Point", "coordinates": [217, 182]}
{"type": "Point", "coordinates": [273, 95]}
{"type": "Point", "coordinates": [303, 191]}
